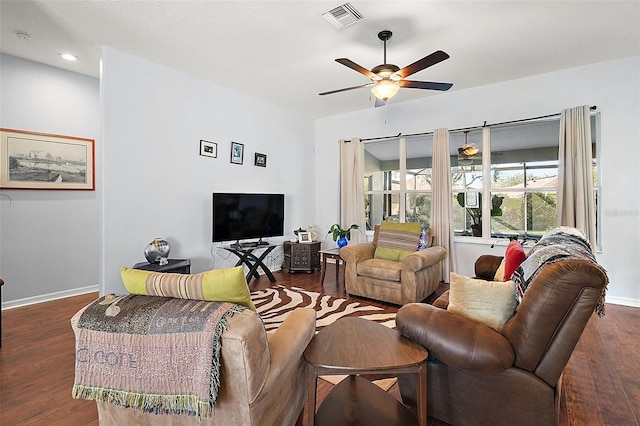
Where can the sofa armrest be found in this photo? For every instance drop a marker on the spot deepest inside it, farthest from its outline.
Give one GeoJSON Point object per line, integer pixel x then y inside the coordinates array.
{"type": "Point", "coordinates": [288, 343]}
{"type": "Point", "coordinates": [422, 259]}
{"type": "Point", "coordinates": [486, 266]}
{"type": "Point", "coordinates": [442, 301]}
{"type": "Point", "coordinates": [454, 339]}
{"type": "Point", "coordinates": [357, 252]}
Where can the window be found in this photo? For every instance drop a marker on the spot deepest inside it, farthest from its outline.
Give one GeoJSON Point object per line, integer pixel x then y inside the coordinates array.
{"type": "Point", "coordinates": [466, 182]}
{"type": "Point", "coordinates": [528, 193]}
{"type": "Point", "coordinates": [397, 180]}
{"type": "Point", "coordinates": [516, 169]}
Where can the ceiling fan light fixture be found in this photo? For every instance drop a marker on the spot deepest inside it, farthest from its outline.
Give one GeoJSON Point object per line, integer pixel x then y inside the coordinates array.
{"type": "Point", "coordinates": [385, 89]}
{"type": "Point", "coordinates": [468, 150]}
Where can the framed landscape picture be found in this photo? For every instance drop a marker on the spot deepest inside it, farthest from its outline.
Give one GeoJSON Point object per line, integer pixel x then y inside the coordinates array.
{"type": "Point", "coordinates": [30, 160]}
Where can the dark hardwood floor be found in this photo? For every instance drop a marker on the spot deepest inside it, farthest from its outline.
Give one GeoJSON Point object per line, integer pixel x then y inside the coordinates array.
{"type": "Point", "coordinates": [601, 382]}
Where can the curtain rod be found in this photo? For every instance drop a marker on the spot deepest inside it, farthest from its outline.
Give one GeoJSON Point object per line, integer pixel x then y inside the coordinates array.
{"type": "Point", "coordinates": [592, 108]}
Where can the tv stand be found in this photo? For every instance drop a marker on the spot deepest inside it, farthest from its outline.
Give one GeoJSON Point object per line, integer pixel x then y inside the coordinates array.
{"type": "Point", "coordinates": [262, 242]}
{"type": "Point", "coordinates": [253, 262]}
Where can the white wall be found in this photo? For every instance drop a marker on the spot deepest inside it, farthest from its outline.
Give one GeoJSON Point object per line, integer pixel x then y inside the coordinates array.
{"type": "Point", "coordinates": [154, 183]}
{"type": "Point", "coordinates": [613, 86]}
{"type": "Point", "coordinates": [157, 185]}
{"type": "Point", "coordinates": [49, 240]}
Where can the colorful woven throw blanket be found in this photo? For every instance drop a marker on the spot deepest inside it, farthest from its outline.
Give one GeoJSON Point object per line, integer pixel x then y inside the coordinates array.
{"type": "Point", "coordinates": [156, 354]}
{"type": "Point", "coordinates": [561, 243]}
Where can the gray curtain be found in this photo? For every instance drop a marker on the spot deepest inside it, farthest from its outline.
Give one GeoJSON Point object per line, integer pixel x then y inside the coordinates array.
{"type": "Point", "coordinates": [575, 203]}
{"type": "Point", "coordinates": [352, 188]}
{"type": "Point", "coordinates": [441, 199]}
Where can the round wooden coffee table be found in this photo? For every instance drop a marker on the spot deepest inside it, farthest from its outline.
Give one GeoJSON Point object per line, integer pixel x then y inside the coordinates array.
{"type": "Point", "coordinates": [355, 346]}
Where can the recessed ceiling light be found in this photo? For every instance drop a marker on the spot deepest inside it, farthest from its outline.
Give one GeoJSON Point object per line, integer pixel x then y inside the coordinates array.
{"type": "Point", "coordinates": [68, 57]}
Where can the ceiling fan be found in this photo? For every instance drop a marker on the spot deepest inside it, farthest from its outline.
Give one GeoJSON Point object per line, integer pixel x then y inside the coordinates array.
{"type": "Point", "coordinates": [386, 79]}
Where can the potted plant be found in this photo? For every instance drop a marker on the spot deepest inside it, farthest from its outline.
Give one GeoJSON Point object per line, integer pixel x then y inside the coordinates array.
{"type": "Point", "coordinates": [475, 213]}
{"type": "Point", "coordinates": [341, 235]}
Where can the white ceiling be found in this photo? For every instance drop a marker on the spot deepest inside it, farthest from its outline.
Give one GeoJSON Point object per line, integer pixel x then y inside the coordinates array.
{"type": "Point", "coordinates": [283, 51]}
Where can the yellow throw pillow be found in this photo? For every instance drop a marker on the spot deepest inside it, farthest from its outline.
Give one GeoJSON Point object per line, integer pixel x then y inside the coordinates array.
{"type": "Point", "coordinates": [397, 240]}
{"type": "Point", "coordinates": [218, 285]}
{"type": "Point", "coordinates": [488, 302]}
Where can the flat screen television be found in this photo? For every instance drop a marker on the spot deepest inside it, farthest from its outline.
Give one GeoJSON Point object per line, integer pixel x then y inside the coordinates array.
{"type": "Point", "coordinates": [247, 216]}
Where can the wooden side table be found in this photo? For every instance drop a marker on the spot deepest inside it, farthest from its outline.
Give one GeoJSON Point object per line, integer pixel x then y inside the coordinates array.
{"type": "Point", "coordinates": [333, 253]}
{"type": "Point", "coordinates": [355, 346]}
{"type": "Point", "coordinates": [301, 257]}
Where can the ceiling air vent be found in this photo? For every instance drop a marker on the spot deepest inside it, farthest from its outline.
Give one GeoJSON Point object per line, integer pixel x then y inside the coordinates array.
{"type": "Point", "coordinates": [343, 16]}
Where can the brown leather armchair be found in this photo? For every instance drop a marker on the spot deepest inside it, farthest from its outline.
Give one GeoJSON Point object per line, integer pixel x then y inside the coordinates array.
{"type": "Point", "coordinates": [397, 282]}
{"type": "Point", "coordinates": [477, 375]}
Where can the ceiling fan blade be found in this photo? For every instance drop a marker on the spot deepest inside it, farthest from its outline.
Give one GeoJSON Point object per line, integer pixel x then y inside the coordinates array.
{"type": "Point", "coordinates": [362, 70]}
{"type": "Point", "coordinates": [419, 65]}
{"type": "Point", "coordinates": [430, 85]}
{"type": "Point", "coordinates": [379, 103]}
{"type": "Point", "coordinates": [346, 88]}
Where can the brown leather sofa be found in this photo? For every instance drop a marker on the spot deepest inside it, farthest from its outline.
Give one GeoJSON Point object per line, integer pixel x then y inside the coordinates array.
{"type": "Point", "coordinates": [264, 377]}
{"type": "Point", "coordinates": [397, 282]}
{"type": "Point", "coordinates": [477, 375]}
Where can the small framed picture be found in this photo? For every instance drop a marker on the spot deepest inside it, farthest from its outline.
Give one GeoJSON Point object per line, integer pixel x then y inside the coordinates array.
{"type": "Point", "coordinates": [261, 160]}
{"type": "Point", "coordinates": [304, 237]}
{"type": "Point", "coordinates": [471, 200]}
{"type": "Point", "coordinates": [237, 152]}
{"type": "Point", "coordinates": [208, 149]}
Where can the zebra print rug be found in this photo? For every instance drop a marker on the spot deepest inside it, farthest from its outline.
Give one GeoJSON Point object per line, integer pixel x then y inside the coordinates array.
{"type": "Point", "coordinates": [275, 303]}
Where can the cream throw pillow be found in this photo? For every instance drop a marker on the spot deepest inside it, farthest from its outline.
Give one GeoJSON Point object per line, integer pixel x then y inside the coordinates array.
{"type": "Point", "coordinates": [499, 276]}
{"type": "Point", "coordinates": [488, 302]}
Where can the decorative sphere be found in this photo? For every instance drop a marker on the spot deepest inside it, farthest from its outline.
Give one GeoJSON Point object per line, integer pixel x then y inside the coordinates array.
{"type": "Point", "coordinates": [157, 251]}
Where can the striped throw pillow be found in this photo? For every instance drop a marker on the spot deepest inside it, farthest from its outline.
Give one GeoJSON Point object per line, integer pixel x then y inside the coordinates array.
{"type": "Point", "coordinates": [217, 285]}
{"type": "Point", "coordinates": [397, 240]}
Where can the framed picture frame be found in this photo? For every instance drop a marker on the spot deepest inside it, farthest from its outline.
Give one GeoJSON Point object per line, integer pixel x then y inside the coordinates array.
{"type": "Point", "coordinates": [304, 237]}
{"type": "Point", "coordinates": [237, 152]}
{"type": "Point", "coordinates": [33, 160]}
{"type": "Point", "coordinates": [208, 149]}
{"type": "Point", "coordinates": [260, 160]}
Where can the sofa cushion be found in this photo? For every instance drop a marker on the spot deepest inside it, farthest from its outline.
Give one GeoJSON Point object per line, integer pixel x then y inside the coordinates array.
{"type": "Point", "coordinates": [218, 285]}
{"type": "Point", "coordinates": [488, 302]}
{"type": "Point", "coordinates": [397, 240]}
{"type": "Point", "coordinates": [382, 269]}
{"type": "Point", "coordinates": [513, 257]}
{"type": "Point", "coordinates": [499, 276]}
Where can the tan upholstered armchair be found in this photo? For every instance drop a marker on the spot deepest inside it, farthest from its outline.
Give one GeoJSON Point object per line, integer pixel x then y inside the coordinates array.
{"type": "Point", "coordinates": [263, 377]}
{"type": "Point", "coordinates": [397, 282]}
